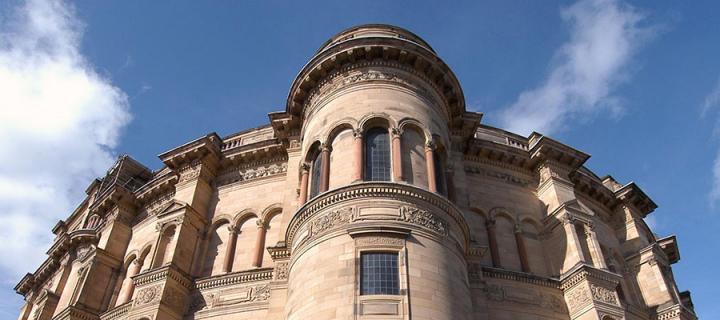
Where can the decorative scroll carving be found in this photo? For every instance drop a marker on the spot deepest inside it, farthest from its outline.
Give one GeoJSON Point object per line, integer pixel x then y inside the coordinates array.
{"type": "Point", "coordinates": [602, 294]}
{"type": "Point", "coordinates": [577, 298]}
{"type": "Point", "coordinates": [84, 251]}
{"type": "Point", "coordinates": [535, 298]}
{"type": "Point", "coordinates": [331, 220]}
{"type": "Point", "coordinates": [148, 295]}
{"type": "Point", "coordinates": [253, 173]}
{"type": "Point", "coordinates": [423, 218]}
{"type": "Point", "coordinates": [231, 297]}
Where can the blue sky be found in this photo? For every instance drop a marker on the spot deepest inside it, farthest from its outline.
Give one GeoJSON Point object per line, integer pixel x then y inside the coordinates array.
{"type": "Point", "coordinates": [141, 77]}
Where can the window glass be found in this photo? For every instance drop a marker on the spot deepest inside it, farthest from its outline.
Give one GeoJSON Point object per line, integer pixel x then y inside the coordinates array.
{"type": "Point", "coordinates": [379, 273]}
{"type": "Point", "coordinates": [315, 178]}
{"type": "Point", "coordinates": [377, 155]}
{"type": "Point", "coordinates": [439, 174]}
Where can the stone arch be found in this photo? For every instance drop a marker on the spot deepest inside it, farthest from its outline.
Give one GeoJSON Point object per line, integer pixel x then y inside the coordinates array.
{"type": "Point", "coordinates": [166, 244]}
{"type": "Point", "coordinates": [313, 159]}
{"type": "Point", "coordinates": [122, 281]}
{"type": "Point", "coordinates": [413, 138]}
{"type": "Point", "coordinates": [406, 123]}
{"type": "Point", "coordinates": [440, 160]}
{"type": "Point", "coordinates": [272, 233]}
{"type": "Point", "coordinates": [507, 248]}
{"type": "Point", "coordinates": [376, 120]}
{"type": "Point", "coordinates": [336, 128]}
{"type": "Point", "coordinates": [478, 222]}
{"type": "Point", "coordinates": [217, 241]}
{"type": "Point", "coordinates": [340, 141]}
{"type": "Point", "coordinates": [534, 252]}
{"type": "Point", "coordinates": [246, 223]}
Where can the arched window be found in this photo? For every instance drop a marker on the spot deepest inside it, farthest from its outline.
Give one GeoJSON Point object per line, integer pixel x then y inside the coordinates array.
{"type": "Point", "coordinates": [377, 155]}
{"type": "Point", "coordinates": [439, 174]}
{"type": "Point", "coordinates": [316, 173]}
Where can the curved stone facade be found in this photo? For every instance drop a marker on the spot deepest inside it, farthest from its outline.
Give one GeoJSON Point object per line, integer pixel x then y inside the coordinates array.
{"type": "Point", "coordinates": [374, 195]}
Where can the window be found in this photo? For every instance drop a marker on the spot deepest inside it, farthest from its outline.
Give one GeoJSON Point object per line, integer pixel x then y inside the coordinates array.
{"type": "Point", "coordinates": [439, 174]}
{"type": "Point", "coordinates": [379, 273]}
{"type": "Point", "coordinates": [377, 155]}
{"type": "Point", "coordinates": [316, 172]}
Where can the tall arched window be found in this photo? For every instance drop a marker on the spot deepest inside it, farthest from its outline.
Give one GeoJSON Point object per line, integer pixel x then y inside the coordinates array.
{"type": "Point", "coordinates": [377, 155]}
{"type": "Point", "coordinates": [316, 173]}
{"type": "Point", "coordinates": [439, 174]}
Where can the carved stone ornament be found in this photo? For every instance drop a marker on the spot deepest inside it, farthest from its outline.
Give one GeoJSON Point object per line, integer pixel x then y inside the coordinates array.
{"type": "Point", "coordinates": [577, 298]}
{"type": "Point", "coordinates": [281, 271]}
{"type": "Point", "coordinates": [525, 297]}
{"type": "Point", "coordinates": [423, 218]}
{"type": "Point", "coordinates": [84, 251]}
{"type": "Point", "coordinates": [331, 220]}
{"type": "Point", "coordinates": [602, 294]}
{"type": "Point", "coordinates": [147, 295]}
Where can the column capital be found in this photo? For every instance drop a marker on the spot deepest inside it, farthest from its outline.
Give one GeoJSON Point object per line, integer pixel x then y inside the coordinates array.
{"type": "Point", "coordinates": [305, 167]}
{"type": "Point", "coordinates": [395, 132]}
{"type": "Point", "coordinates": [430, 145]}
{"type": "Point", "coordinates": [357, 133]}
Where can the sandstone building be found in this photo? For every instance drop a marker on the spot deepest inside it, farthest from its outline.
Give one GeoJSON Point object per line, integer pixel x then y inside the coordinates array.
{"type": "Point", "coordinates": [374, 195]}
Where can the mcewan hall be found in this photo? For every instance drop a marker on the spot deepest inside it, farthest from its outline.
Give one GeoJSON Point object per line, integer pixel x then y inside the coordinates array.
{"type": "Point", "coordinates": [375, 194]}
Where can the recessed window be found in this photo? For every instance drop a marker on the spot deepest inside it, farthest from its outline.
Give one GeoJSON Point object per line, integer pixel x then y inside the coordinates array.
{"type": "Point", "coordinates": [379, 273]}
{"type": "Point", "coordinates": [439, 174]}
{"type": "Point", "coordinates": [315, 178]}
{"type": "Point", "coordinates": [377, 155]}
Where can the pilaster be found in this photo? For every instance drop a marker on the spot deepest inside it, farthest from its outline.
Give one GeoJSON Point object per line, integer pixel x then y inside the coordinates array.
{"type": "Point", "coordinates": [591, 293]}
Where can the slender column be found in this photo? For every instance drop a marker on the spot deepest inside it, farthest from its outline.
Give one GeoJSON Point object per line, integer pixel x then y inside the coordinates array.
{"type": "Point", "coordinates": [595, 250]}
{"type": "Point", "coordinates": [430, 161]}
{"type": "Point", "coordinates": [325, 171]}
{"type": "Point", "coordinates": [230, 249]}
{"type": "Point", "coordinates": [522, 251]}
{"type": "Point", "coordinates": [259, 244]}
{"type": "Point", "coordinates": [358, 155]}
{"type": "Point", "coordinates": [128, 285]}
{"type": "Point", "coordinates": [304, 183]}
{"type": "Point", "coordinates": [492, 238]}
{"type": "Point", "coordinates": [396, 155]}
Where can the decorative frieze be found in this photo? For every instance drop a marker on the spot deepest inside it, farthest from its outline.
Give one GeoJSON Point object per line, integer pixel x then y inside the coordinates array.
{"type": "Point", "coordinates": [331, 220]}
{"type": "Point", "coordinates": [379, 241]}
{"type": "Point", "coordinates": [423, 218]}
{"type": "Point", "coordinates": [252, 173]}
{"type": "Point", "coordinates": [500, 176]}
{"type": "Point", "coordinates": [148, 295]}
{"type": "Point", "coordinates": [603, 294]}
{"type": "Point", "coordinates": [525, 297]}
{"type": "Point", "coordinates": [230, 298]}
{"type": "Point", "coordinates": [281, 271]}
{"type": "Point", "coordinates": [578, 298]}
{"type": "Point", "coordinates": [234, 278]}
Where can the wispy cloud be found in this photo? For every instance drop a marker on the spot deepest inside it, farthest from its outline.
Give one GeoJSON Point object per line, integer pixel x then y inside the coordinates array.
{"type": "Point", "coordinates": [59, 121]}
{"type": "Point", "coordinates": [710, 104]}
{"type": "Point", "coordinates": [604, 35]}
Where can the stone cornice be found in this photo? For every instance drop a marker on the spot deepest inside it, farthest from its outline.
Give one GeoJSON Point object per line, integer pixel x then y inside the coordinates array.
{"type": "Point", "coordinates": [509, 156]}
{"type": "Point", "coordinates": [542, 149]}
{"type": "Point", "coordinates": [75, 313]}
{"type": "Point", "coordinates": [631, 194]}
{"type": "Point", "coordinates": [229, 279]}
{"type": "Point", "coordinates": [197, 149]}
{"type": "Point", "coordinates": [279, 252]}
{"type": "Point", "coordinates": [376, 190]}
{"type": "Point", "coordinates": [582, 272]}
{"type": "Point", "coordinates": [118, 312]}
{"type": "Point", "coordinates": [670, 247]}
{"type": "Point", "coordinates": [162, 273]}
{"type": "Point", "coordinates": [496, 273]}
{"type": "Point", "coordinates": [419, 58]}
{"type": "Point", "coordinates": [594, 189]}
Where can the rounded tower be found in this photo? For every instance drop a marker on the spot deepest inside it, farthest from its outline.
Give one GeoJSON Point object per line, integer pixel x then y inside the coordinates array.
{"type": "Point", "coordinates": [376, 112]}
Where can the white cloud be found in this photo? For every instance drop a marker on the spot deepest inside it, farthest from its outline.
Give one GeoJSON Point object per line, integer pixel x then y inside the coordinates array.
{"type": "Point", "coordinates": [59, 121]}
{"type": "Point", "coordinates": [604, 35]}
{"type": "Point", "coordinates": [712, 100]}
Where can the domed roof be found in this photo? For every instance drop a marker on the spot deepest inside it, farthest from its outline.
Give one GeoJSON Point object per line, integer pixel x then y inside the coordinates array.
{"type": "Point", "coordinates": [374, 31]}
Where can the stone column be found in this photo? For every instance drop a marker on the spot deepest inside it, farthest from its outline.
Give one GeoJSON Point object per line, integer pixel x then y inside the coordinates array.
{"type": "Point", "coordinates": [492, 239]}
{"type": "Point", "coordinates": [395, 133]}
{"type": "Point", "coordinates": [128, 285]}
{"type": "Point", "coordinates": [522, 252]}
{"type": "Point", "coordinates": [259, 244]}
{"type": "Point", "coordinates": [304, 183]}
{"type": "Point", "coordinates": [595, 251]}
{"type": "Point", "coordinates": [358, 155]}
{"type": "Point", "coordinates": [325, 171]}
{"type": "Point", "coordinates": [230, 249]}
{"type": "Point", "coordinates": [430, 161]}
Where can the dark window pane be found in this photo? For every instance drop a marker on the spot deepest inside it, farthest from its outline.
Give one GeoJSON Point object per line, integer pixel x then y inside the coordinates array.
{"type": "Point", "coordinates": [377, 155]}
{"type": "Point", "coordinates": [315, 179]}
{"type": "Point", "coordinates": [439, 174]}
{"type": "Point", "coordinates": [379, 273]}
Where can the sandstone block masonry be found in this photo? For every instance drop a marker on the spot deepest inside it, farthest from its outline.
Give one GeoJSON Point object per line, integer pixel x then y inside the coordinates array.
{"type": "Point", "coordinates": [374, 195]}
